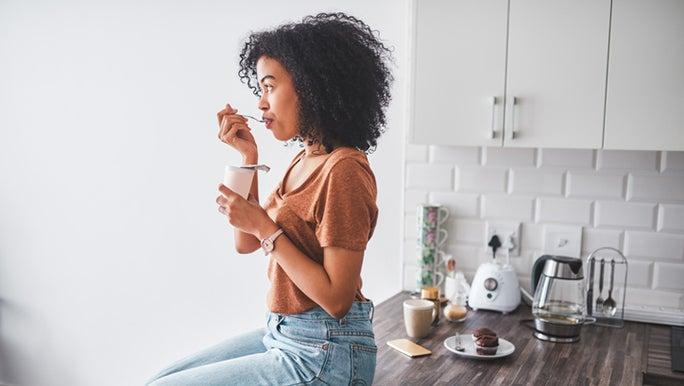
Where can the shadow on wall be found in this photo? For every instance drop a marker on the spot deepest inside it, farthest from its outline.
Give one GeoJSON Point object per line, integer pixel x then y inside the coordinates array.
{"type": "Point", "coordinates": [16, 366]}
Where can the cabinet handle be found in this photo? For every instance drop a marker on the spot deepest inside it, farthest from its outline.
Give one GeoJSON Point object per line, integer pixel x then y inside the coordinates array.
{"type": "Point", "coordinates": [513, 131]}
{"type": "Point", "coordinates": [492, 130]}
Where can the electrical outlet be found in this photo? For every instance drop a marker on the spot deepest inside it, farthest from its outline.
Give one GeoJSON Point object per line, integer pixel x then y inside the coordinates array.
{"type": "Point", "coordinates": [509, 235]}
{"type": "Point", "coordinates": [564, 240]}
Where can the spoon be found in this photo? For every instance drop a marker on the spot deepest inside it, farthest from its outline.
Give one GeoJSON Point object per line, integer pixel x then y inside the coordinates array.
{"type": "Point", "coordinates": [458, 345]}
{"type": "Point", "coordinates": [609, 306]}
{"type": "Point", "coordinates": [251, 117]}
{"type": "Point", "coordinates": [599, 300]}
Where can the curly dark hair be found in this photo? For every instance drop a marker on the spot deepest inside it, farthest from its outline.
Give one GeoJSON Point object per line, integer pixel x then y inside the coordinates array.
{"type": "Point", "coordinates": [340, 73]}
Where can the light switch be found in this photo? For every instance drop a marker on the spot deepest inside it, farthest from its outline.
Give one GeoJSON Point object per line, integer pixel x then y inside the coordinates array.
{"type": "Point", "coordinates": [565, 240]}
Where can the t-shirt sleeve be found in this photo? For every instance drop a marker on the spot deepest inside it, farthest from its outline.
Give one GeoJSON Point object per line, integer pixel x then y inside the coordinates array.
{"type": "Point", "coordinates": [346, 212]}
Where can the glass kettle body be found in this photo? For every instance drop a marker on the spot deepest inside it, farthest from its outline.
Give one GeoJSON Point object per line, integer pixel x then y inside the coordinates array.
{"type": "Point", "coordinates": [558, 307]}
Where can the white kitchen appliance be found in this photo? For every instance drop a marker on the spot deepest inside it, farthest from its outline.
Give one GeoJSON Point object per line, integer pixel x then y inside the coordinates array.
{"type": "Point", "coordinates": [495, 287]}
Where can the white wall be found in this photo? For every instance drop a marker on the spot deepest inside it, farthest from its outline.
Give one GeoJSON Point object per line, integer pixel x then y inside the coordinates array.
{"type": "Point", "coordinates": [113, 258]}
{"type": "Point", "coordinates": [630, 200]}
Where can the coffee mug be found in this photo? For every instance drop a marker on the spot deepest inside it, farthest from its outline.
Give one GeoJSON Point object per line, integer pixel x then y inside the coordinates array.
{"type": "Point", "coordinates": [428, 277]}
{"type": "Point", "coordinates": [238, 179]}
{"type": "Point", "coordinates": [418, 317]}
{"type": "Point", "coordinates": [432, 215]}
{"type": "Point", "coordinates": [433, 237]}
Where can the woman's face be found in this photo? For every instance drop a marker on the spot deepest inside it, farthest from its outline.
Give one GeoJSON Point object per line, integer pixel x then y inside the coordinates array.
{"type": "Point", "coordinates": [278, 103]}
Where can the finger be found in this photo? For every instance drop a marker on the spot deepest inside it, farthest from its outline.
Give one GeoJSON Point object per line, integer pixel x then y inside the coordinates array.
{"type": "Point", "coordinates": [221, 200]}
{"type": "Point", "coordinates": [227, 124]}
{"type": "Point", "coordinates": [222, 210]}
{"type": "Point", "coordinates": [229, 194]}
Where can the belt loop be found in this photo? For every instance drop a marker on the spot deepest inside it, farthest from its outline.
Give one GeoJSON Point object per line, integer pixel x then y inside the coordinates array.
{"type": "Point", "coordinates": [372, 311]}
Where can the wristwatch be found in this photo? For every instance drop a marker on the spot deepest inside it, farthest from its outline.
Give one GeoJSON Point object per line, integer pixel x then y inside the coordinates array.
{"type": "Point", "coordinates": [268, 243]}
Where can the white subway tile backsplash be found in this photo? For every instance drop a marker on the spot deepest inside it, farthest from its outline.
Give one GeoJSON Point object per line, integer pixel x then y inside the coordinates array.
{"type": "Point", "coordinates": [593, 239]}
{"type": "Point", "coordinates": [674, 161]}
{"type": "Point", "coordinates": [416, 153]}
{"type": "Point", "coordinates": [501, 156]}
{"type": "Point", "coordinates": [480, 179]}
{"type": "Point", "coordinates": [411, 227]}
{"type": "Point", "coordinates": [656, 187]}
{"type": "Point", "coordinates": [410, 278]}
{"type": "Point", "coordinates": [508, 207]}
{"type": "Point", "coordinates": [567, 158]}
{"type": "Point", "coordinates": [627, 159]}
{"type": "Point", "coordinates": [629, 200]}
{"type": "Point", "coordinates": [459, 155]}
{"type": "Point", "coordinates": [423, 176]}
{"type": "Point", "coordinates": [625, 214]}
{"type": "Point", "coordinates": [411, 252]}
{"type": "Point", "coordinates": [581, 184]}
{"type": "Point", "coordinates": [639, 274]}
{"type": "Point", "coordinates": [466, 232]}
{"type": "Point", "coordinates": [648, 297]}
{"type": "Point", "coordinates": [468, 257]}
{"type": "Point", "coordinates": [536, 181]}
{"type": "Point", "coordinates": [671, 218]}
{"type": "Point", "coordinates": [531, 236]}
{"type": "Point", "coordinates": [412, 198]}
{"type": "Point", "coordinates": [669, 276]}
{"type": "Point", "coordinates": [460, 205]}
{"type": "Point", "coordinates": [564, 211]}
{"type": "Point", "coordinates": [651, 245]}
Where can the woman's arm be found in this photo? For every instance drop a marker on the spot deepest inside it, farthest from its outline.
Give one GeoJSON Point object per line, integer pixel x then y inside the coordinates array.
{"type": "Point", "coordinates": [247, 242]}
{"type": "Point", "coordinates": [331, 285]}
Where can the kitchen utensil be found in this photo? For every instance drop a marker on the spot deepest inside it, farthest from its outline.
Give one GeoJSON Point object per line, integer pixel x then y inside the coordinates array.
{"type": "Point", "coordinates": [609, 306]}
{"type": "Point", "coordinates": [599, 300]}
{"type": "Point", "coordinates": [458, 346]}
{"type": "Point", "coordinates": [607, 317]}
{"type": "Point", "coordinates": [251, 117]}
{"type": "Point", "coordinates": [558, 307]}
{"type": "Point", "coordinates": [590, 291]}
{"type": "Point", "coordinates": [506, 348]}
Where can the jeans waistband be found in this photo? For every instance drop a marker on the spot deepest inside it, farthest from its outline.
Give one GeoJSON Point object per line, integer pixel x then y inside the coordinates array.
{"type": "Point", "coordinates": [360, 310]}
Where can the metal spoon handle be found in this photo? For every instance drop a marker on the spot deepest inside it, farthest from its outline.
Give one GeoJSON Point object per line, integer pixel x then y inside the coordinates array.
{"type": "Point", "coordinates": [251, 117]}
{"type": "Point", "coordinates": [603, 263]}
{"type": "Point", "coordinates": [612, 276]}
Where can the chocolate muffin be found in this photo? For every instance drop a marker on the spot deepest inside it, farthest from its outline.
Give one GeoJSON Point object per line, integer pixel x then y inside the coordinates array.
{"type": "Point", "coordinates": [486, 345]}
{"type": "Point", "coordinates": [483, 331]}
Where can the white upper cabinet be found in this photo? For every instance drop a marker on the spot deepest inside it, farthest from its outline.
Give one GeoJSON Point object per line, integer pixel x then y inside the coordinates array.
{"type": "Point", "coordinates": [555, 83]}
{"type": "Point", "coordinates": [459, 72]}
{"type": "Point", "coordinates": [645, 100]}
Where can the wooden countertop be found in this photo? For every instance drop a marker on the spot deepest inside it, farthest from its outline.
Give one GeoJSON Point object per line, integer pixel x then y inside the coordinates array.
{"type": "Point", "coordinates": [615, 356]}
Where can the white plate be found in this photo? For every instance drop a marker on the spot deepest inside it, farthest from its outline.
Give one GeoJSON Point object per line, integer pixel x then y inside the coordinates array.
{"type": "Point", "coordinates": [506, 348]}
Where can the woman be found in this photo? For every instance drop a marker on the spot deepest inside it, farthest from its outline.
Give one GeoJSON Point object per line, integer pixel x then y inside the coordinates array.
{"type": "Point", "coordinates": [324, 82]}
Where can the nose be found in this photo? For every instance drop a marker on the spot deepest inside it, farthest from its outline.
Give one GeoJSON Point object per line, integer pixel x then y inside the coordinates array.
{"type": "Point", "coordinates": [262, 104]}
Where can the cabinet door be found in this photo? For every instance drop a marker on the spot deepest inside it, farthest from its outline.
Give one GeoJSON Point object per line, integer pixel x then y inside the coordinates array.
{"type": "Point", "coordinates": [459, 67]}
{"type": "Point", "coordinates": [556, 76]}
{"type": "Point", "coordinates": [645, 101]}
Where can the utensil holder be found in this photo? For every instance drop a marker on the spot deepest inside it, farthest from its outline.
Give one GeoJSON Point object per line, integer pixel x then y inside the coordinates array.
{"type": "Point", "coordinates": [602, 319]}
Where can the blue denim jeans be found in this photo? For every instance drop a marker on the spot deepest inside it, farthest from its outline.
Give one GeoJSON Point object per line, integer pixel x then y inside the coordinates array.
{"type": "Point", "coordinates": [310, 348]}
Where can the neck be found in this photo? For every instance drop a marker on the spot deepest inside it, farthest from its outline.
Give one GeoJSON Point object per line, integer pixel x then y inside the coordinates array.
{"type": "Point", "coordinates": [314, 150]}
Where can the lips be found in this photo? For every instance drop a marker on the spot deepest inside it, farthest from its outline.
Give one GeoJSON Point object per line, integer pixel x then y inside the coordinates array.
{"type": "Point", "coordinates": [267, 122]}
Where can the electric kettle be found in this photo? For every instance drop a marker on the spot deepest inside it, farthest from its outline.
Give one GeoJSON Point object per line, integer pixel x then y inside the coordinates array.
{"type": "Point", "coordinates": [558, 306]}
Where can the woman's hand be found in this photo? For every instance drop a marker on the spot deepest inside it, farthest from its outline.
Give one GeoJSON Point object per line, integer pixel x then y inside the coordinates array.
{"type": "Point", "coordinates": [233, 131]}
{"type": "Point", "coordinates": [247, 216]}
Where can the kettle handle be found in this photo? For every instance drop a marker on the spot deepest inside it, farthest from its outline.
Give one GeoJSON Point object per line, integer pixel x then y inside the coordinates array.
{"type": "Point", "coordinates": [537, 269]}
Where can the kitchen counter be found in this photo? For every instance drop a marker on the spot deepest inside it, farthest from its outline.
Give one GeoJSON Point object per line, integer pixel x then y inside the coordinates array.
{"type": "Point", "coordinates": [616, 356]}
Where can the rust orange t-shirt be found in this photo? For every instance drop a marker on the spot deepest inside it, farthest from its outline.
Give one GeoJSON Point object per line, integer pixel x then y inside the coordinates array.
{"type": "Point", "coordinates": [334, 207]}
